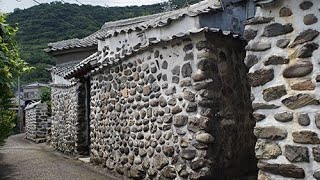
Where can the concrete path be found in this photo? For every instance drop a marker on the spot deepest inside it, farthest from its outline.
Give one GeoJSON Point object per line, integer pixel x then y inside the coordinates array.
{"type": "Point", "coordinates": [21, 159]}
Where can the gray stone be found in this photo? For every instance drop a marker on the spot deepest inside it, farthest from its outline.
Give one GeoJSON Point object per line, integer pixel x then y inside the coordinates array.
{"type": "Point", "coordinates": [305, 5]}
{"type": "Point", "coordinates": [251, 60]}
{"type": "Point", "coordinates": [257, 46]}
{"type": "Point", "coordinates": [259, 20]}
{"type": "Point", "coordinates": [310, 19]}
{"type": "Point", "coordinates": [303, 119]}
{"type": "Point", "coordinates": [276, 60]}
{"type": "Point", "coordinates": [171, 90]}
{"type": "Point", "coordinates": [180, 120]}
{"type": "Point", "coordinates": [164, 65]}
{"type": "Point", "coordinates": [197, 164]}
{"type": "Point", "coordinates": [204, 138]}
{"type": "Point", "coordinates": [168, 150]}
{"type": "Point", "coordinates": [192, 107]}
{"type": "Point", "coordinates": [267, 150]}
{"type": "Point", "coordinates": [270, 132]}
{"type": "Point", "coordinates": [296, 153]}
{"type": "Point", "coordinates": [258, 117]}
{"type": "Point", "coordinates": [316, 175]}
{"type": "Point", "coordinates": [175, 79]}
{"type": "Point", "coordinates": [305, 137]}
{"type": "Point", "coordinates": [168, 172]}
{"type": "Point", "coordinates": [276, 29]}
{"type": "Point", "coordinates": [260, 77]}
{"type": "Point", "coordinates": [160, 161]}
{"type": "Point", "coordinates": [305, 36]}
{"type": "Point", "coordinates": [274, 93]}
{"type": "Point", "coordinates": [299, 101]}
{"type": "Point", "coordinates": [283, 43]}
{"type": "Point", "coordinates": [299, 69]}
{"type": "Point", "coordinates": [137, 172]}
{"type": "Point", "coordinates": [256, 106]}
{"type": "Point", "coordinates": [176, 70]}
{"type": "Point", "coordinates": [286, 170]}
{"type": "Point", "coordinates": [285, 12]}
{"type": "Point", "coordinates": [186, 70]}
{"type": "Point", "coordinates": [284, 117]}
{"type": "Point", "coordinates": [185, 83]}
{"type": "Point", "coordinates": [250, 34]}
{"type": "Point", "coordinates": [188, 154]}
{"type": "Point", "coordinates": [147, 90]}
{"type": "Point", "coordinates": [188, 47]}
{"type": "Point", "coordinates": [188, 56]}
{"type": "Point", "coordinates": [175, 110]}
{"type": "Point", "coordinates": [196, 124]}
{"type": "Point", "coordinates": [199, 77]}
{"type": "Point", "coordinates": [188, 95]}
{"type": "Point", "coordinates": [316, 153]}
{"type": "Point", "coordinates": [306, 50]}
{"type": "Point", "coordinates": [317, 120]}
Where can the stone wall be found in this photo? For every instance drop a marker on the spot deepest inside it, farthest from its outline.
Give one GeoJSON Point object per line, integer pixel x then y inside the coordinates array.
{"type": "Point", "coordinates": [178, 109]}
{"type": "Point", "coordinates": [283, 56]}
{"type": "Point", "coordinates": [68, 128]}
{"type": "Point", "coordinates": [36, 121]}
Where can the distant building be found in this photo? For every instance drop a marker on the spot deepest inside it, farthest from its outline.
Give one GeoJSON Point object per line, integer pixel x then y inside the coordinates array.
{"type": "Point", "coordinates": [31, 92]}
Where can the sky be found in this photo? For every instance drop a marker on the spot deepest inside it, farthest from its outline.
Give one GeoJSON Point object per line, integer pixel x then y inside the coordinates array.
{"type": "Point", "coordinates": [9, 5]}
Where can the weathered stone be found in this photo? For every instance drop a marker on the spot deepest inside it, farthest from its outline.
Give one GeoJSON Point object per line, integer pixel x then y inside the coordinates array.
{"type": "Point", "coordinates": [267, 150]}
{"type": "Point", "coordinates": [305, 5]}
{"type": "Point", "coordinates": [164, 65]}
{"type": "Point", "coordinates": [186, 70]}
{"type": "Point", "coordinates": [188, 95]}
{"type": "Point", "coordinates": [284, 117]}
{"type": "Point", "coordinates": [300, 100]}
{"type": "Point", "coordinates": [316, 153]}
{"type": "Point", "coordinates": [175, 79]}
{"type": "Point", "coordinates": [171, 90]}
{"type": "Point", "coordinates": [258, 117]}
{"type": "Point", "coordinates": [303, 86]}
{"type": "Point", "coordinates": [316, 175]}
{"type": "Point", "coordinates": [286, 170]}
{"type": "Point", "coordinates": [259, 20]}
{"type": "Point", "coordinates": [283, 43]}
{"type": "Point", "coordinates": [197, 164]}
{"type": "Point", "coordinates": [176, 70]}
{"type": "Point", "coordinates": [188, 47]}
{"type": "Point", "coordinates": [270, 132]}
{"type": "Point", "coordinates": [276, 60]}
{"type": "Point", "coordinates": [175, 110]}
{"type": "Point", "coordinates": [303, 119]}
{"type": "Point", "coordinates": [263, 176]}
{"type": "Point", "coordinates": [305, 36]}
{"type": "Point", "coordinates": [276, 29]}
{"type": "Point", "coordinates": [285, 12]}
{"type": "Point", "coordinates": [137, 172]}
{"type": "Point", "coordinates": [185, 83]}
{"type": "Point", "coordinates": [305, 137]}
{"type": "Point", "coordinates": [250, 60]}
{"type": "Point", "coordinates": [192, 107]}
{"type": "Point", "coordinates": [256, 46]}
{"type": "Point", "coordinates": [204, 138]}
{"type": "Point", "coordinates": [188, 154]}
{"type": "Point", "coordinates": [147, 90]}
{"type": "Point", "coordinates": [317, 120]}
{"type": "Point", "coordinates": [274, 93]}
{"type": "Point", "coordinates": [169, 172]}
{"type": "Point", "coordinates": [256, 106]}
{"type": "Point", "coordinates": [260, 77]}
{"type": "Point", "coordinates": [250, 34]}
{"type": "Point", "coordinates": [318, 78]}
{"type": "Point", "coordinates": [306, 50]}
{"type": "Point", "coordinates": [188, 57]}
{"type": "Point", "coordinates": [160, 161]}
{"type": "Point", "coordinates": [197, 124]}
{"type": "Point", "coordinates": [168, 150]}
{"type": "Point", "coordinates": [296, 153]}
{"type": "Point", "coordinates": [180, 120]}
{"type": "Point", "coordinates": [299, 69]}
{"type": "Point", "coordinates": [310, 19]}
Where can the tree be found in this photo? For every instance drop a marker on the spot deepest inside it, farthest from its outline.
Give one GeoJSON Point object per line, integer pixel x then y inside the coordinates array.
{"type": "Point", "coordinates": [11, 67]}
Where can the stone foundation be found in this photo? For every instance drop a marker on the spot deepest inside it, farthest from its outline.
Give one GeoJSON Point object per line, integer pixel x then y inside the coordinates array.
{"type": "Point", "coordinates": [36, 121]}
{"type": "Point", "coordinates": [283, 57]}
{"type": "Point", "coordinates": [179, 109]}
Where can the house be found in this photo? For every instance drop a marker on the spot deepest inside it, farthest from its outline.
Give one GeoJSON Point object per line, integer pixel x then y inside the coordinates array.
{"type": "Point", "coordinates": [159, 96]}
{"type": "Point", "coordinates": [32, 92]}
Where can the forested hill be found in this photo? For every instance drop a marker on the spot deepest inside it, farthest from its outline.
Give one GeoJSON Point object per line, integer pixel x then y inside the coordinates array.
{"type": "Point", "coordinates": [57, 21]}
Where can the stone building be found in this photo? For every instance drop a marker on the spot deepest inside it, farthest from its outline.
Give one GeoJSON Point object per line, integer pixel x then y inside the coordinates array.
{"type": "Point", "coordinates": [36, 115]}
{"type": "Point", "coordinates": [283, 57]}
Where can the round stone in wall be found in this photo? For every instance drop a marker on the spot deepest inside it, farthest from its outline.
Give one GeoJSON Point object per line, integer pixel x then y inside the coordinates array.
{"type": "Point", "coordinates": [310, 19]}
{"type": "Point", "coordinates": [298, 70]}
{"type": "Point", "coordinates": [306, 5]}
{"type": "Point", "coordinates": [303, 119]}
{"type": "Point", "coordinates": [285, 12]}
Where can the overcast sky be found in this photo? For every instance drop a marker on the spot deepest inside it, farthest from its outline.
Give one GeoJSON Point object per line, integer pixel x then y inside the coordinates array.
{"type": "Point", "coordinates": [10, 5]}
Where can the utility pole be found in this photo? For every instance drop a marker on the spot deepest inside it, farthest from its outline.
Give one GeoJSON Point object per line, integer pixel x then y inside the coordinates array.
{"type": "Point", "coordinates": [19, 108]}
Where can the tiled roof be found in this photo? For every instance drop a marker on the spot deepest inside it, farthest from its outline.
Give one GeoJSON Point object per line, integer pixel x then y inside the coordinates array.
{"type": "Point", "coordinates": [62, 70]}
{"type": "Point", "coordinates": [136, 24]}
{"type": "Point", "coordinates": [93, 63]}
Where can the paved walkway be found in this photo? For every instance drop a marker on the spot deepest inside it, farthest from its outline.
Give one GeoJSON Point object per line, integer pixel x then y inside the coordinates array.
{"type": "Point", "coordinates": [21, 159]}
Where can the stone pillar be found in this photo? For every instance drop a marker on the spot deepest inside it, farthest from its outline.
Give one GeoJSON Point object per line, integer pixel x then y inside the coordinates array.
{"type": "Point", "coordinates": [283, 57]}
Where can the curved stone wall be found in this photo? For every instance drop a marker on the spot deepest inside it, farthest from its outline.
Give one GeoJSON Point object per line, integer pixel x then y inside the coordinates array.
{"type": "Point", "coordinates": [177, 110]}
{"type": "Point", "coordinates": [283, 57]}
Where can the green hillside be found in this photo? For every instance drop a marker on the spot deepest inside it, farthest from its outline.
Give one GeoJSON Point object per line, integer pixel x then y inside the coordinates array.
{"type": "Point", "coordinates": [56, 21]}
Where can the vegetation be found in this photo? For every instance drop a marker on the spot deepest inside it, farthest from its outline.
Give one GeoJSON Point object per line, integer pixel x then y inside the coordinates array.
{"type": "Point", "coordinates": [56, 21]}
{"type": "Point", "coordinates": [45, 95]}
{"type": "Point", "coordinates": [11, 67]}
